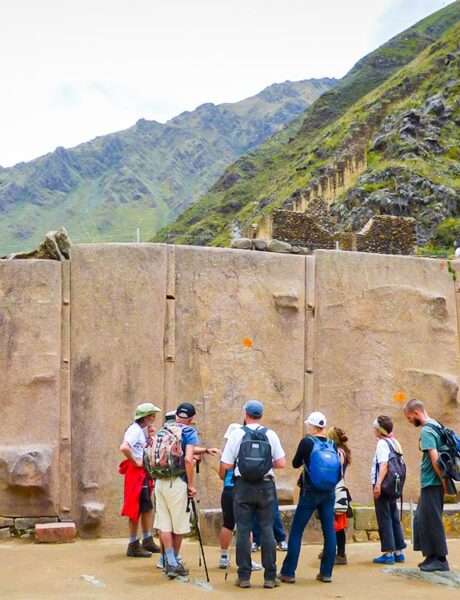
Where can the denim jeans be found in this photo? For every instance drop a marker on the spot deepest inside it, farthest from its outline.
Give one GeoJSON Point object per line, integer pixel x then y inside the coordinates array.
{"type": "Point", "coordinates": [390, 530]}
{"type": "Point", "coordinates": [309, 501]}
{"type": "Point", "coordinates": [278, 529]}
{"type": "Point", "coordinates": [254, 499]}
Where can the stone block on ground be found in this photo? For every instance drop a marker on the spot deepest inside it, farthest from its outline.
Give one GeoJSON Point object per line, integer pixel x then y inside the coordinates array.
{"type": "Point", "coordinates": [279, 246]}
{"type": "Point", "coordinates": [373, 536]}
{"type": "Point", "coordinates": [91, 514]}
{"type": "Point", "coordinates": [365, 518]}
{"type": "Point", "coordinates": [6, 522]}
{"type": "Point", "coordinates": [30, 522]}
{"type": "Point", "coordinates": [55, 532]}
{"type": "Point", "coordinates": [360, 536]}
{"type": "Point", "coordinates": [5, 533]}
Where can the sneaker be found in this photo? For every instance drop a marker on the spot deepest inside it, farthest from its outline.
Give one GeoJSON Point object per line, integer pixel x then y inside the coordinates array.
{"type": "Point", "coordinates": [324, 578]}
{"type": "Point", "coordinates": [286, 578]}
{"type": "Point", "coordinates": [425, 561]}
{"type": "Point", "coordinates": [135, 550]}
{"type": "Point", "coordinates": [385, 559]}
{"type": "Point", "coordinates": [175, 570]}
{"type": "Point", "coordinates": [255, 566]}
{"type": "Point", "coordinates": [150, 545]}
{"type": "Point", "coordinates": [224, 562]}
{"type": "Point", "coordinates": [283, 546]}
{"type": "Point", "coordinates": [255, 547]}
{"type": "Point", "coordinates": [435, 565]}
{"type": "Point", "coordinates": [400, 558]}
{"type": "Point", "coordinates": [272, 583]}
{"type": "Point", "coordinates": [160, 563]}
{"type": "Point", "coordinates": [342, 560]}
{"type": "Point", "coordinates": [243, 583]}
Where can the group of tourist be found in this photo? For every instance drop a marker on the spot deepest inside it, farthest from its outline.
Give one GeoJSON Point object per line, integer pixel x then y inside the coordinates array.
{"type": "Point", "coordinates": [166, 461]}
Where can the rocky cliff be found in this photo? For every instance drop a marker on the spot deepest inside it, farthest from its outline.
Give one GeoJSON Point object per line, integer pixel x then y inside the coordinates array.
{"type": "Point", "coordinates": [384, 141]}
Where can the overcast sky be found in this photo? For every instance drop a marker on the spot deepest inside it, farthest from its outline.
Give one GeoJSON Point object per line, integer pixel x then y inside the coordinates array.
{"type": "Point", "coordinates": [75, 69]}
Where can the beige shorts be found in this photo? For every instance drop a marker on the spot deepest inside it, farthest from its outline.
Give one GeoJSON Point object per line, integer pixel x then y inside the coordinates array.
{"type": "Point", "coordinates": [171, 506]}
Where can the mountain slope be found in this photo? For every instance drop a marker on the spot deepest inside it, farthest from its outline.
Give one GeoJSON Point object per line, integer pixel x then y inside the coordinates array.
{"type": "Point", "coordinates": [342, 127]}
{"type": "Point", "coordinates": [143, 176]}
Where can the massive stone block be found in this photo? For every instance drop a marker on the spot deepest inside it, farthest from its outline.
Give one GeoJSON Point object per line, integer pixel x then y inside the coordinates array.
{"type": "Point", "coordinates": [118, 299]}
{"type": "Point", "coordinates": [240, 334]}
{"type": "Point", "coordinates": [30, 341]}
{"type": "Point", "coordinates": [386, 331]}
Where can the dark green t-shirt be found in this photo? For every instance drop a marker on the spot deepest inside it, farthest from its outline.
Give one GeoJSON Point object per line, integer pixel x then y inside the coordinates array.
{"type": "Point", "coordinates": [429, 439]}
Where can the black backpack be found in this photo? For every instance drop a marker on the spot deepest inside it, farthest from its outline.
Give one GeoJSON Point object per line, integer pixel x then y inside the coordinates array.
{"type": "Point", "coordinates": [449, 452]}
{"type": "Point", "coordinates": [255, 456]}
{"type": "Point", "coordinates": [393, 484]}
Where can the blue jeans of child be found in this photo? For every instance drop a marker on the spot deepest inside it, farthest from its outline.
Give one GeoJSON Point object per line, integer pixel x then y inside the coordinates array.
{"type": "Point", "coordinates": [309, 501]}
{"type": "Point", "coordinates": [278, 529]}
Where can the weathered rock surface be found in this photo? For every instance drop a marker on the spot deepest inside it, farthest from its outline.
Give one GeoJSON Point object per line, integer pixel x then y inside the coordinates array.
{"type": "Point", "coordinates": [279, 246]}
{"type": "Point", "coordinates": [55, 246]}
{"type": "Point", "coordinates": [91, 514]}
{"type": "Point", "coordinates": [448, 578]}
{"type": "Point", "coordinates": [241, 244]}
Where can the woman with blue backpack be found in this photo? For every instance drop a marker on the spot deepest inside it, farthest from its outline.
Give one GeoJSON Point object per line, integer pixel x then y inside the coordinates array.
{"type": "Point", "coordinates": [387, 477]}
{"type": "Point", "coordinates": [318, 457]}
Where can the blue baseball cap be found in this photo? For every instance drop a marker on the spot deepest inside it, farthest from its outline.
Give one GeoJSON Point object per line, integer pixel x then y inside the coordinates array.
{"type": "Point", "coordinates": [254, 408]}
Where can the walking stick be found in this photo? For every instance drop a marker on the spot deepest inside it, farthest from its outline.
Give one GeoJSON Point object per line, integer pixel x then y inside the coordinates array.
{"type": "Point", "coordinates": [229, 554]}
{"type": "Point", "coordinates": [200, 540]}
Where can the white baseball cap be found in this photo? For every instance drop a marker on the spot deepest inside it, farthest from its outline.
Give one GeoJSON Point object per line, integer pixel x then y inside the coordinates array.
{"type": "Point", "coordinates": [317, 419]}
{"type": "Point", "coordinates": [230, 429]}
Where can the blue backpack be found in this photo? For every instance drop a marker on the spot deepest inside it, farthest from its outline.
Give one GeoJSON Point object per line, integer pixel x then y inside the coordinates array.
{"type": "Point", "coordinates": [324, 465]}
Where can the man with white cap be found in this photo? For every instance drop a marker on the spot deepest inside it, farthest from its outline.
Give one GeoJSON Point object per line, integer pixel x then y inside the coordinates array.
{"type": "Point", "coordinates": [317, 455]}
{"type": "Point", "coordinates": [138, 486]}
{"type": "Point", "coordinates": [254, 452]}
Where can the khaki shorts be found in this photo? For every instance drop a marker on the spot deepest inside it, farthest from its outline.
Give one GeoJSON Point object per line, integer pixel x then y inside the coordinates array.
{"type": "Point", "coordinates": [171, 506]}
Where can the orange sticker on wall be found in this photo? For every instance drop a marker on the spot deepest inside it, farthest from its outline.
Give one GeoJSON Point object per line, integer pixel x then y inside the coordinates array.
{"type": "Point", "coordinates": [442, 264]}
{"type": "Point", "coordinates": [400, 397]}
{"type": "Point", "coordinates": [247, 342]}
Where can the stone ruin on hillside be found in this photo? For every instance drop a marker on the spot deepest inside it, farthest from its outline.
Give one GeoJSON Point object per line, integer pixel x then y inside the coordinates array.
{"type": "Point", "coordinates": [306, 223]}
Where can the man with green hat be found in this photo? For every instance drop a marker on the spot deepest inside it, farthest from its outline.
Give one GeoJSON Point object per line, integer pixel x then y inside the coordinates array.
{"type": "Point", "coordinates": [138, 486]}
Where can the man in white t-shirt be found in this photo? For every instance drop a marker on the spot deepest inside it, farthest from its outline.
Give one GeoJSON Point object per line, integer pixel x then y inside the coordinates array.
{"type": "Point", "coordinates": [254, 497]}
{"type": "Point", "coordinates": [137, 505]}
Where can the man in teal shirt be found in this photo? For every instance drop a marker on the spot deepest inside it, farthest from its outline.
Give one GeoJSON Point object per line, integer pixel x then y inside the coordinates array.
{"type": "Point", "coordinates": [429, 533]}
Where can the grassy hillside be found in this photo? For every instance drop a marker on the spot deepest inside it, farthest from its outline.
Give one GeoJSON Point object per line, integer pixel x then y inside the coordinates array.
{"type": "Point", "coordinates": [141, 177]}
{"type": "Point", "coordinates": [413, 157]}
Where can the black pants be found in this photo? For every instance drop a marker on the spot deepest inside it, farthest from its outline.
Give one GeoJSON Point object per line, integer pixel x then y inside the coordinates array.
{"type": "Point", "coordinates": [429, 534]}
{"type": "Point", "coordinates": [390, 530]}
{"type": "Point", "coordinates": [255, 499]}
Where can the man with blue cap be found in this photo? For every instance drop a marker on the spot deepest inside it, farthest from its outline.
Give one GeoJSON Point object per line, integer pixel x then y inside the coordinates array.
{"type": "Point", "coordinates": [254, 452]}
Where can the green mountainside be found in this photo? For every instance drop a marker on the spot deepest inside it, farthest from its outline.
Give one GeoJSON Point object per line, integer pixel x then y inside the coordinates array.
{"type": "Point", "coordinates": [141, 177]}
{"type": "Point", "coordinates": [398, 110]}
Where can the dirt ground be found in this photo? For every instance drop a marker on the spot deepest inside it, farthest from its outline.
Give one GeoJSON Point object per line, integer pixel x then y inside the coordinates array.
{"type": "Point", "coordinates": [48, 572]}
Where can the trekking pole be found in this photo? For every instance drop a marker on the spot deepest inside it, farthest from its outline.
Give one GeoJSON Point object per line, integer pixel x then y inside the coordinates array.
{"type": "Point", "coordinates": [200, 540]}
{"type": "Point", "coordinates": [229, 554]}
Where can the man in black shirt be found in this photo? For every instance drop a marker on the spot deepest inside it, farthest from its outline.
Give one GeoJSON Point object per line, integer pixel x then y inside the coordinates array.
{"type": "Point", "coordinates": [312, 498]}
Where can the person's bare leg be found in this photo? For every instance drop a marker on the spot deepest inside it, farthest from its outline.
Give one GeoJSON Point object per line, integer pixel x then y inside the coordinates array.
{"type": "Point", "coordinates": [177, 541]}
{"type": "Point", "coordinates": [225, 538]}
{"type": "Point", "coordinates": [147, 521]}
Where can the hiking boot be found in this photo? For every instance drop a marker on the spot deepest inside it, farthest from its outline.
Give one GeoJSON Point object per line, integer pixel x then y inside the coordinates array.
{"type": "Point", "coordinates": [425, 561]}
{"type": "Point", "coordinates": [150, 545]}
{"type": "Point", "coordinates": [243, 583]}
{"type": "Point", "coordinates": [272, 583]}
{"type": "Point", "coordinates": [435, 565]}
{"type": "Point", "coordinates": [286, 578]}
{"type": "Point", "coordinates": [324, 578]}
{"type": "Point", "coordinates": [283, 546]}
{"type": "Point", "coordinates": [175, 570]}
{"type": "Point", "coordinates": [224, 562]}
{"type": "Point", "coordinates": [342, 560]}
{"type": "Point", "coordinates": [135, 550]}
{"type": "Point", "coordinates": [255, 566]}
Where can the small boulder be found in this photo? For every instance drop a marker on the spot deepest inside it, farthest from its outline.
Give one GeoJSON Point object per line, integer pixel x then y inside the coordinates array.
{"type": "Point", "coordinates": [260, 244]}
{"type": "Point", "coordinates": [279, 246]}
{"type": "Point", "coordinates": [241, 244]}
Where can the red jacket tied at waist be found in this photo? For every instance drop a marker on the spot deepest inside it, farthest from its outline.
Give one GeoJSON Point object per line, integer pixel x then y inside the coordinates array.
{"type": "Point", "coordinates": [134, 480]}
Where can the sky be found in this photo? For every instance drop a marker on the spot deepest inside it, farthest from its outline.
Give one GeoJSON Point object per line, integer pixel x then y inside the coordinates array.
{"type": "Point", "coordinates": [76, 69]}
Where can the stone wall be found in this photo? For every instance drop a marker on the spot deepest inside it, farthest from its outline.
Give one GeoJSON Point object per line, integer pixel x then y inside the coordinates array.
{"type": "Point", "coordinates": [301, 229]}
{"type": "Point", "coordinates": [353, 334]}
{"type": "Point", "coordinates": [387, 234]}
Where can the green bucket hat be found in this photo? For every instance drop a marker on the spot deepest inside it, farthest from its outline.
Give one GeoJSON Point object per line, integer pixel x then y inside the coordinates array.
{"type": "Point", "coordinates": [144, 410]}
